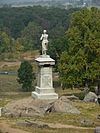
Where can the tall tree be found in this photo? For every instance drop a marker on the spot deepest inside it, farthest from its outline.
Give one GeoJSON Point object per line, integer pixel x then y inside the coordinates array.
{"type": "Point", "coordinates": [80, 64]}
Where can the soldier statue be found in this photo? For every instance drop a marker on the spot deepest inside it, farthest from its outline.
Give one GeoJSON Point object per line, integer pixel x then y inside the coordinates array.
{"type": "Point", "coordinates": [44, 39]}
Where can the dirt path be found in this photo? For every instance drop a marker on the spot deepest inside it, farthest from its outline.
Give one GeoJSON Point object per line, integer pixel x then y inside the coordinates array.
{"type": "Point", "coordinates": [9, 64]}
{"type": "Point", "coordinates": [58, 125]}
{"type": "Point", "coordinates": [4, 127]}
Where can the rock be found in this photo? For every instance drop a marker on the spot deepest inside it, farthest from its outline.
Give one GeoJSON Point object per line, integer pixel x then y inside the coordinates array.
{"type": "Point", "coordinates": [26, 107]}
{"type": "Point", "coordinates": [98, 117]}
{"type": "Point", "coordinates": [34, 124]}
{"type": "Point", "coordinates": [72, 97]}
{"type": "Point", "coordinates": [6, 112]}
{"type": "Point", "coordinates": [86, 123]}
{"type": "Point", "coordinates": [98, 99]}
{"type": "Point", "coordinates": [97, 130]}
{"type": "Point", "coordinates": [63, 105]}
{"type": "Point", "coordinates": [86, 90]}
{"type": "Point", "coordinates": [22, 123]}
{"type": "Point", "coordinates": [64, 99]}
{"type": "Point", "coordinates": [90, 97]}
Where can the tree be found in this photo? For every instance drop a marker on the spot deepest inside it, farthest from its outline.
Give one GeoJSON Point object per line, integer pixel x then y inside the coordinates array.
{"type": "Point", "coordinates": [30, 36]}
{"type": "Point", "coordinates": [80, 64]}
{"type": "Point", "coordinates": [5, 42]}
{"type": "Point", "coordinates": [25, 75]}
{"type": "Point", "coordinates": [56, 47]}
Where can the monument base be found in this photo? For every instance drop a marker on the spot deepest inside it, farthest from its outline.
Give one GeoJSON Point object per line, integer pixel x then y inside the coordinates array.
{"type": "Point", "coordinates": [48, 96]}
{"type": "Point", "coordinates": [44, 93]}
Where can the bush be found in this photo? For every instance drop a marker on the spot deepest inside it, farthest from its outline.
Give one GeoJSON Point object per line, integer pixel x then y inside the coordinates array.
{"type": "Point", "coordinates": [25, 76]}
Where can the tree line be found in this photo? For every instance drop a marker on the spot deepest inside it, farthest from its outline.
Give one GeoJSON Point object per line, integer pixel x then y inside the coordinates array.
{"type": "Point", "coordinates": [23, 26]}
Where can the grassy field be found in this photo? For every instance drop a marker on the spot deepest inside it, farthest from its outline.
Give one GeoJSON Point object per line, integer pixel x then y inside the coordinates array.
{"type": "Point", "coordinates": [11, 90]}
{"type": "Point", "coordinates": [12, 61]}
{"type": "Point", "coordinates": [8, 83]}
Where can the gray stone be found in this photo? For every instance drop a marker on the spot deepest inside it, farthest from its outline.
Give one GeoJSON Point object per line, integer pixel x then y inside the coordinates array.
{"type": "Point", "coordinates": [28, 107]}
{"type": "Point", "coordinates": [98, 99]}
{"type": "Point", "coordinates": [86, 123]}
{"type": "Point", "coordinates": [34, 124]}
{"type": "Point", "coordinates": [63, 105]}
{"type": "Point", "coordinates": [98, 117]}
{"type": "Point", "coordinates": [86, 90]}
{"type": "Point", "coordinates": [90, 97]}
{"type": "Point", "coordinates": [23, 123]}
{"type": "Point", "coordinates": [72, 97]}
{"type": "Point", "coordinates": [97, 130]}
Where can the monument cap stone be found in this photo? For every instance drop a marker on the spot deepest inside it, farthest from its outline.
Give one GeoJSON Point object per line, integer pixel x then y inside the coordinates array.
{"type": "Point", "coordinates": [45, 59]}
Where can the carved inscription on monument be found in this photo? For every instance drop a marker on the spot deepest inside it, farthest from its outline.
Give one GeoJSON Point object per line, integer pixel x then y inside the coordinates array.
{"type": "Point", "coordinates": [46, 74]}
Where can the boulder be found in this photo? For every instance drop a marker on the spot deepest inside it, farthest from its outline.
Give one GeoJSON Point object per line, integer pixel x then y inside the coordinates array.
{"type": "Point", "coordinates": [90, 97]}
{"type": "Point", "coordinates": [98, 117]}
{"type": "Point", "coordinates": [34, 107]}
{"type": "Point", "coordinates": [72, 97]}
{"type": "Point", "coordinates": [86, 123]}
{"type": "Point", "coordinates": [63, 105]}
{"type": "Point", "coordinates": [97, 130]}
{"type": "Point", "coordinates": [26, 107]}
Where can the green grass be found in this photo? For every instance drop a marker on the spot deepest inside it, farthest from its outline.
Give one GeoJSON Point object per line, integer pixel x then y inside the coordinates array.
{"type": "Point", "coordinates": [6, 97]}
{"type": "Point", "coordinates": [86, 114]}
{"type": "Point", "coordinates": [11, 90]}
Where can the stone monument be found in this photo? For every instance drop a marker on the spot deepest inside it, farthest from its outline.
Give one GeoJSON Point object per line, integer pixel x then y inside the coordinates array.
{"type": "Point", "coordinates": [44, 89]}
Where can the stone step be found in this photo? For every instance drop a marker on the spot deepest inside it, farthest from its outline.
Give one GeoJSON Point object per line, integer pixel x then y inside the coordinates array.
{"type": "Point", "coordinates": [46, 96]}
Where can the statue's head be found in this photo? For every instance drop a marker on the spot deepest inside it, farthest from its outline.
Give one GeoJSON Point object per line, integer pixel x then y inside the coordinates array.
{"type": "Point", "coordinates": [44, 31]}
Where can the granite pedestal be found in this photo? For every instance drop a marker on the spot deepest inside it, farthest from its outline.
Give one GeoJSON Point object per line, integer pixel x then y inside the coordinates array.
{"type": "Point", "coordinates": [44, 89]}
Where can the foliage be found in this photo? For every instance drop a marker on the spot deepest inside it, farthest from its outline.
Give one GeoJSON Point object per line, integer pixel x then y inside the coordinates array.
{"type": "Point", "coordinates": [25, 75]}
{"type": "Point", "coordinates": [80, 64]}
{"type": "Point", "coordinates": [5, 42]}
{"type": "Point", "coordinates": [30, 36]}
{"type": "Point", "coordinates": [14, 20]}
{"type": "Point", "coordinates": [25, 24]}
{"type": "Point", "coordinates": [56, 47]}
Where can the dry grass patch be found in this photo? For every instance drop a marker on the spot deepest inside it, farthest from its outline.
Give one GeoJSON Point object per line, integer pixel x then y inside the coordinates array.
{"type": "Point", "coordinates": [8, 83]}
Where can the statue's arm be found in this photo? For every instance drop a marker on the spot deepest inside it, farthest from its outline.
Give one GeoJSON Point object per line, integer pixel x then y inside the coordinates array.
{"type": "Point", "coordinates": [41, 37]}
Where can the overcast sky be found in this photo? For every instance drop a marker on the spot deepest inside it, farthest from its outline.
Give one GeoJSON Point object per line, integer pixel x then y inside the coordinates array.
{"type": "Point", "coordinates": [20, 1]}
{"type": "Point", "coordinates": [17, 0]}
